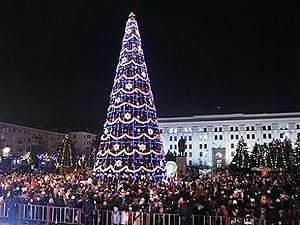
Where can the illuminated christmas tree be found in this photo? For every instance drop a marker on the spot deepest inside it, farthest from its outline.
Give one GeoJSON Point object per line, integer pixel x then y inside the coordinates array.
{"type": "Point", "coordinates": [130, 145]}
{"type": "Point", "coordinates": [66, 156]}
{"type": "Point", "coordinates": [258, 156]}
{"type": "Point", "coordinates": [241, 159]}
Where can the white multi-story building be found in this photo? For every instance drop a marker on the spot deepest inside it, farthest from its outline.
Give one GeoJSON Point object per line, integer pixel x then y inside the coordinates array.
{"type": "Point", "coordinates": [215, 136]}
{"type": "Point", "coordinates": [22, 139]}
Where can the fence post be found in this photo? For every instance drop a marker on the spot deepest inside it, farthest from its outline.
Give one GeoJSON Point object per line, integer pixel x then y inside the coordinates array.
{"type": "Point", "coordinates": [78, 216]}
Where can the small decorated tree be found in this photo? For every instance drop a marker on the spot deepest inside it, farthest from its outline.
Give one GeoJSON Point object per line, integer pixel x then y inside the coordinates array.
{"type": "Point", "coordinates": [241, 160]}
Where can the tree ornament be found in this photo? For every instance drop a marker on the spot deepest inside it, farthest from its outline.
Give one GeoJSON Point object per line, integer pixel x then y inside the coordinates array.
{"type": "Point", "coordinates": [150, 131]}
{"type": "Point", "coordinates": [118, 100]}
{"type": "Point", "coordinates": [118, 163]}
{"type": "Point", "coordinates": [128, 86]}
{"type": "Point", "coordinates": [144, 74]}
{"type": "Point", "coordinates": [142, 147]}
{"type": "Point", "coordinates": [116, 147]}
{"type": "Point", "coordinates": [124, 60]}
{"type": "Point", "coordinates": [127, 116]}
{"type": "Point", "coordinates": [128, 31]}
{"type": "Point", "coordinates": [105, 131]}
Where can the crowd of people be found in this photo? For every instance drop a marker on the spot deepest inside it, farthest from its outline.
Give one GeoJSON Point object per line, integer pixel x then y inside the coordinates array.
{"type": "Point", "coordinates": [275, 198]}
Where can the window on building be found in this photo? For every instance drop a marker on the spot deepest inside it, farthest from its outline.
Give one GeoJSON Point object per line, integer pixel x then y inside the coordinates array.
{"type": "Point", "coordinates": [252, 128]}
{"type": "Point", "coordinates": [200, 154]}
{"type": "Point", "coordinates": [231, 136]}
{"type": "Point", "coordinates": [232, 153]}
{"type": "Point", "coordinates": [200, 146]}
{"type": "Point", "coordinates": [281, 135]}
{"type": "Point", "coordinates": [171, 146]}
{"type": "Point", "coordinates": [253, 136]}
{"type": "Point", "coordinates": [236, 128]}
{"type": "Point", "coordinates": [264, 136]}
{"type": "Point", "coordinates": [236, 136]}
{"type": "Point", "coordinates": [248, 136]}
{"type": "Point", "coordinates": [190, 162]}
{"type": "Point", "coordinates": [175, 130]}
{"type": "Point", "coordinates": [298, 135]}
{"type": "Point", "coordinates": [190, 154]}
{"type": "Point", "coordinates": [220, 129]}
{"type": "Point", "coordinates": [190, 138]}
{"type": "Point", "coordinates": [160, 131]}
{"type": "Point", "coordinates": [231, 128]}
{"type": "Point", "coordinates": [175, 138]}
{"type": "Point", "coordinates": [269, 136]}
{"type": "Point", "coordinates": [216, 137]}
{"type": "Point", "coordinates": [205, 146]}
{"type": "Point", "coordinates": [185, 138]}
{"type": "Point", "coordinates": [171, 130]}
{"type": "Point", "coordinates": [269, 127]}
{"type": "Point", "coordinates": [221, 137]}
{"type": "Point", "coordinates": [264, 127]}
{"type": "Point", "coordinates": [298, 126]}
{"type": "Point", "coordinates": [216, 129]}
{"type": "Point", "coordinates": [171, 138]}
{"type": "Point", "coordinates": [204, 129]}
{"type": "Point", "coordinates": [247, 128]}
{"type": "Point", "coordinates": [175, 146]}
{"type": "Point", "coordinates": [185, 146]}
{"type": "Point", "coordinates": [232, 145]}
{"type": "Point", "coordinates": [190, 146]}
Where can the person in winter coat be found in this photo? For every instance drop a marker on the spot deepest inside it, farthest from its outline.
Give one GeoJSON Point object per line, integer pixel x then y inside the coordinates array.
{"type": "Point", "coordinates": [87, 210]}
{"type": "Point", "coordinates": [116, 216]}
{"type": "Point", "coordinates": [185, 212]}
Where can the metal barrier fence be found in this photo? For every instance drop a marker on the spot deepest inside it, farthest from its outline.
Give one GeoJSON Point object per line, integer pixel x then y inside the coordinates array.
{"type": "Point", "coordinates": [48, 215]}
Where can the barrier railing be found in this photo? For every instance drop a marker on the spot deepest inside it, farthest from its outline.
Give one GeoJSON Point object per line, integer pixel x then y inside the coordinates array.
{"type": "Point", "coordinates": [50, 215]}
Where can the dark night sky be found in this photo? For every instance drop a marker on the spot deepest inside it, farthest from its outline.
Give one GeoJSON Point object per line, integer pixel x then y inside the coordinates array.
{"type": "Point", "coordinates": [57, 58]}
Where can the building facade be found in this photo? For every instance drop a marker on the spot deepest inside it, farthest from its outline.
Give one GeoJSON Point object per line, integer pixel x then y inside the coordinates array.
{"type": "Point", "coordinates": [212, 139]}
{"type": "Point", "coordinates": [83, 142]}
{"type": "Point", "coordinates": [22, 139]}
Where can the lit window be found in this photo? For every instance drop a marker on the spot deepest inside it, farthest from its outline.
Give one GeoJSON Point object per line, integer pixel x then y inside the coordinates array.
{"type": "Point", "coordinates": [171, 130]}
{"type": "Point", "coordinates": [175, 130]}
{"type": "Point", "coordinates": [190, 129]}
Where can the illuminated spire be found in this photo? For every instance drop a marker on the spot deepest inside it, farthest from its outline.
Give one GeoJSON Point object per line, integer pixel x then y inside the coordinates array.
{"type": "Point", "coordinates": [131, 14]}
